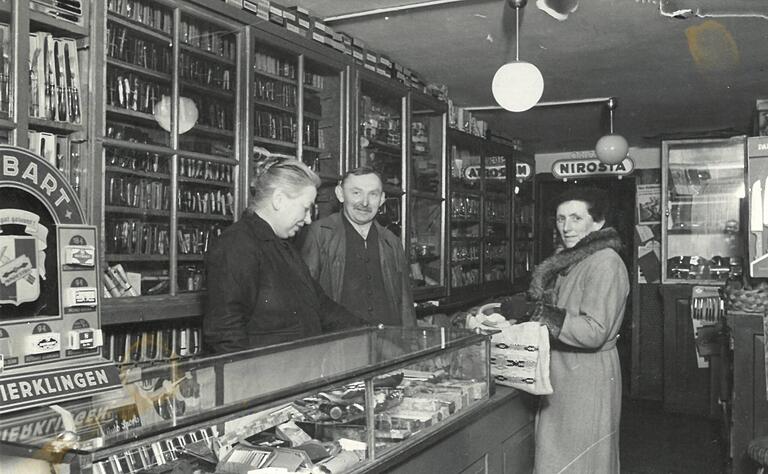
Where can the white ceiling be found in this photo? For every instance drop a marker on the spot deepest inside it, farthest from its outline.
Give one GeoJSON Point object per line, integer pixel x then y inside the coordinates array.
{"type": "Point", "coordinates": [672, 77]}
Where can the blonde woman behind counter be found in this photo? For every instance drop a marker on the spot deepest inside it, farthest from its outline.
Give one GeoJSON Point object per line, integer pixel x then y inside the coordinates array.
{"type": "Point", "coordinates": [260, 291]}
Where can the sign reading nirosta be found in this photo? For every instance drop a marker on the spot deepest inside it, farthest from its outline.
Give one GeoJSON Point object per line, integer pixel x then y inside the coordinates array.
{"type": "Point", "coordinates": [582, 168]}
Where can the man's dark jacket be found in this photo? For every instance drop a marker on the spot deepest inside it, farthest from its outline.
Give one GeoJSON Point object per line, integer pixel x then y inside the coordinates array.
{"type": "Point", "coordinates": [324, 250]}
{"type": "Point", "coordinates": [260, 292]}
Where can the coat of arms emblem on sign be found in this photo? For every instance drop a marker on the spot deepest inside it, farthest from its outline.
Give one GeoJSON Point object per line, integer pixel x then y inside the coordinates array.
{"type": "Point", "coordinates": [22, 258]}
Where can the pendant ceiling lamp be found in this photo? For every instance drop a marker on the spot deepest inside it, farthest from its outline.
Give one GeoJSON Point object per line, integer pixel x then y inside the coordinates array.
{"type": "Point", "coordinates": [517, 85]}
{"type": "Point", "coordinates": [612, 148]}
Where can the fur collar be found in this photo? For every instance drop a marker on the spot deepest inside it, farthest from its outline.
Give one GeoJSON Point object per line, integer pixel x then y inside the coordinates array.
{"type": "Point", "coordinates": [545, 274]}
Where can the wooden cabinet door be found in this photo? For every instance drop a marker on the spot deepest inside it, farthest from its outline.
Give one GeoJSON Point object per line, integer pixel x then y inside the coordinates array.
{"type": "Point", "coordinates": [750, 406]}
{"type": "Point", "coordinates": [686, 386]}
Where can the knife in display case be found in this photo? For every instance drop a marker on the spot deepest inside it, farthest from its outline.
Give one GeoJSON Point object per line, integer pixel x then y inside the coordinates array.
{"type": "Point", "coordinates": [756, 217]}
{"type": "Point", "coordinates": [61, 80]}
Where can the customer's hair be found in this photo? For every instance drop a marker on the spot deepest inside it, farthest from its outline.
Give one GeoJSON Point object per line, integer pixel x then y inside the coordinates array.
{"type": "Point", "coordinates": [595, 199]}
{"type": "Point", "coordinates": [360, 171]}
{"type": "Point", "coordinates": [288, 174]}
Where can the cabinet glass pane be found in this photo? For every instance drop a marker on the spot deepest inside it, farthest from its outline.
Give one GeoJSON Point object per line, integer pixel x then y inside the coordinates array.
{"type": "Point", "coordinates": [205, 205]}
{"type": "Point", "coordinates": [426, 149]}
{"type": "Point", "coordinates": [465, 231]}
{"type": "Point", "coordinates": [704, 185]}
{"type": "Point", "coordinates": [465, 239]}
{"type": "Point", "coordinates": [137, 158]}
{"type": "Point", "coordinates": [208, 79]}
{"type": "Point", "coordinates": [275, 99]}
{"type": "Point", "coordinates": [6, 65]}
{"type": "Point", "coordinates": [418, 397]}
{"type": "Point", "coordinates": [522, 257]}
{"type": "Point", "coordinates": [380, 134]}
{"type": "Point", "coordinates": [426, 242]}
{"type": "Point", "coordinates": [497, 231]}
{"type": "Point", "coordinates": [137, 204]}
{"type": "Point", "coordinates": [322, 138]}
{"type": "Point", "coordinates": [57, 108]}
{"type": "Point", "coordinates": [139, 76]}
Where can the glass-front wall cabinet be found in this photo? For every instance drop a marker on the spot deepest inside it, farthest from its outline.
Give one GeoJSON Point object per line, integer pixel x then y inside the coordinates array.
{"type": "Point", "coordinates": [702, 185]}
{"type": "Point", "coordinates": [298, 111]}
{"type": "Point", "coordinates": [426, 194]}
{"type": "Point", "coordinates": [6, 72]}
{"type": "Point", "coordinates": [323, 127]}
{"type": "Point", "coordinates": [496, 223]}
{"type": "Point", "coordinates": [480, 215]}
{"type": "Point", "coordinates": [523, 219]}
{"type": "Point", "coordinates": [380, 137]}
{"type": "Point", "coordinates": [170, 161]}
{"type": "Point", "coordinates": [464, 214]}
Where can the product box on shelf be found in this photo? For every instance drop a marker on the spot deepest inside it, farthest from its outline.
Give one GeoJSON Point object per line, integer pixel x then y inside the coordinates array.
{"type": "Point", "coordinates": [260, 7]}
{"type": "Point", "coordinates": [276, 14]}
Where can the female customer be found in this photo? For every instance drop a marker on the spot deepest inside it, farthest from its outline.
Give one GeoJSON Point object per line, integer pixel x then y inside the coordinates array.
{"type": "Point", "coordinates": [580, 294]}
{"type": "Point", "coordinates": [260, 291]}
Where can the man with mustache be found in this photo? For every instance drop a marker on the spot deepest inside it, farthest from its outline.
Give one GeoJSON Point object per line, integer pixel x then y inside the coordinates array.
{"type": "Point", "coordinates": [358, 262]}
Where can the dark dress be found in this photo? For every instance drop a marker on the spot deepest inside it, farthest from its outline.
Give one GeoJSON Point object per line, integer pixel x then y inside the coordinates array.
{"type": "Point", "coordinates": [260, 292]}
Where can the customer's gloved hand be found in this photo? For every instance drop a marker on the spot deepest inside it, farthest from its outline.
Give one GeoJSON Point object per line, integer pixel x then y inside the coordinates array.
{"type": "Point", "coordinates": [551, 316]}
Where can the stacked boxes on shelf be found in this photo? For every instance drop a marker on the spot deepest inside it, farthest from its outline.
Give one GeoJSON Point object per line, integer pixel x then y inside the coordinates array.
{"type": "Point", "coordinates": [299, 20]}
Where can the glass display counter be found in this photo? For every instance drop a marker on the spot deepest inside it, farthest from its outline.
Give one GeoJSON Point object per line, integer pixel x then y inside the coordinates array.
{"type": "Point", "coordinates": [341, 402]}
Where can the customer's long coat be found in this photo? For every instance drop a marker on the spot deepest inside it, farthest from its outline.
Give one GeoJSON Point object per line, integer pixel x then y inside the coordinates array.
{"type": "Point", "coordinates": [325, 248]}
{"type": "Point", "coordinates": [260, 292]}
{"type": "Point", "coordinates": [578, 425]}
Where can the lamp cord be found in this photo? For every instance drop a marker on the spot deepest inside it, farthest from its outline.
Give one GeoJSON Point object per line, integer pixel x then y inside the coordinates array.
{"type": "Point", "coordinates": [517, 33]}
{"type": "Point", "coordinates": [610, 115]}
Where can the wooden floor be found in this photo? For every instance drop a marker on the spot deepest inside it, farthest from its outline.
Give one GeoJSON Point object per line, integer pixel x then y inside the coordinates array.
{"type": "Point", "coordinates": [655, 442]}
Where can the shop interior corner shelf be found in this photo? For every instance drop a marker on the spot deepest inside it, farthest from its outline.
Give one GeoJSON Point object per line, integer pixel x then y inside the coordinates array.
{"type": "Point", "coordinates": [358, 399]}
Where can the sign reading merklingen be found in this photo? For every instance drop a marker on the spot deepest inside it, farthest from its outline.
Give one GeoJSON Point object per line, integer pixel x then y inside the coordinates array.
{"type": "Point", "coordinates": [46, 387]}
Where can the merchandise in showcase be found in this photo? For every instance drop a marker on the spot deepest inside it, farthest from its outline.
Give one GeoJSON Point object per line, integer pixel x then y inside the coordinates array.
{"type": "Point", "coordinates": [346, 402]}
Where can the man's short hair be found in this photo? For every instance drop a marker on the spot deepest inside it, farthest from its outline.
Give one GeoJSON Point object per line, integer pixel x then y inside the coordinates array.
{"type": "Point", "coordinates": [360, 171]}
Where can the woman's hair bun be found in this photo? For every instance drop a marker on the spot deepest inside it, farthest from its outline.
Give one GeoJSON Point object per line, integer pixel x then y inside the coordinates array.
{"type": "Point", "coordinates": [264, 165]}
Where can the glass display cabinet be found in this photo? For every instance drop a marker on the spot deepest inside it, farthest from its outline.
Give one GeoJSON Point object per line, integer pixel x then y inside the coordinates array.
{"type": "Point", "coordinates": [523, 257]}
{"type": "Point", "coordinates": [703, 182]}
{"type": "Point", "coordinates": [344, 402]}
{"type": "Point", "coordinates": [7, 124]}
{"type": "Point", "coordinates": [323, 125]}
{"type": "Point", "coordinates": [480, 215]}
{"type": "Point", "coordinates": [464, 214]}
{"type": "Point", "coordinates": [496, 218]}
{"type": "Point", "coordinates": [426, 196]}
{"type": "Point", "coordinates": [381, 139]}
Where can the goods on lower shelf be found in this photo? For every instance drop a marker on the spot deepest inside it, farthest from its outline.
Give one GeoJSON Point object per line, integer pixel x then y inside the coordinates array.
{"type": "Point", "coordinates": [323, 432]}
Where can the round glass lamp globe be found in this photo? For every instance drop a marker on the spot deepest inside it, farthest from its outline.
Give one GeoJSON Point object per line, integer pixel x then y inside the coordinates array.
{"type": "Point", "coordinates": [188, 113]}
{"type": "Point", "coordinates": [612, 149]}
{"type": "Point", "coordinates": [517, 86]}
